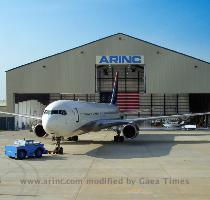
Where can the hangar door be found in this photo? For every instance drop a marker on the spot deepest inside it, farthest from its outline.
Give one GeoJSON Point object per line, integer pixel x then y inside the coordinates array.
{"type": "Point", "coordinates": [130, 84]}
{"type": "Point", "coordinates": [199, 102]}
{"type": "Point", "coordinates": [7, 123]}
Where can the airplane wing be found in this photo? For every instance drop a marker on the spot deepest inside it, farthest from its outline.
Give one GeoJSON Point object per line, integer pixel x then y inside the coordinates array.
{"type": "Point", "coordinates": [169, 116]}
{"type": "Point", "coordinates": [102, 124]}
{"type": "Point", "coordinates": [21, 115]}
{"type": "Point", "coordinates": [107, 123]}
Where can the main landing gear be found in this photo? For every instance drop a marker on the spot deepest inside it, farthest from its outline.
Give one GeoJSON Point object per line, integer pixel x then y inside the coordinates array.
{"type": "Point", "coordinates": [118, 137]}
{"type": "Point", "coordinates": [73, 138]}
{"type": "Point", "coordinates": [58, 149]}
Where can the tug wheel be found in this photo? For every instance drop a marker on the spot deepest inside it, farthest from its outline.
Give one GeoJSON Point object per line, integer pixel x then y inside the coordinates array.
{"type": "Point", "coordinates": [38, 153]}
{"type": "Point", "coordinates": [21, 154]}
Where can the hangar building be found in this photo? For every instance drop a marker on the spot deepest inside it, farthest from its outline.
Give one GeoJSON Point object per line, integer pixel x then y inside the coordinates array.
{"type": "Point", "coordinates": [153, 79]}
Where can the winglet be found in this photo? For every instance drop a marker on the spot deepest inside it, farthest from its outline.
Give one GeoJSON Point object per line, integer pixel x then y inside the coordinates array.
{"type": "Point", "coordinates": [115, 89]}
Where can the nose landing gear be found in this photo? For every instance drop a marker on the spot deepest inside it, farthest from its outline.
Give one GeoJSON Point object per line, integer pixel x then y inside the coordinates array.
{"type": "Point", "coordinates": [58, 149]}
{"type": "Point", "coordinates": [118, 137]}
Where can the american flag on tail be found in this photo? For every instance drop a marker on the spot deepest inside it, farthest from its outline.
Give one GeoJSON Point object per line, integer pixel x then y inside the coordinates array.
{"type": "Point", "coordinates": [128, 101]}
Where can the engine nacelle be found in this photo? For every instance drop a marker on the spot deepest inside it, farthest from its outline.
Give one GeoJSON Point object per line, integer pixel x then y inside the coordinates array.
{"type": "Point", "coordinates": [39, 130]}
{"type": "Point", "coordinates": [130, 131]}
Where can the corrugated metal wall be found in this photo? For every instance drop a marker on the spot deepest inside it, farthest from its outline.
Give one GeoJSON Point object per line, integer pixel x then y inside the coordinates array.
{"type": "Point", "coordinates": [81, 97]}
{"type": "Point", "coordinates": [30, 107]}
{"type": "Point", "coordinates": [164, 104]}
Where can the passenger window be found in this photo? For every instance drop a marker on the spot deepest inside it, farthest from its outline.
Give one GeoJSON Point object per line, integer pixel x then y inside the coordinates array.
{"type": "Point", "coordinates": [62, 112]}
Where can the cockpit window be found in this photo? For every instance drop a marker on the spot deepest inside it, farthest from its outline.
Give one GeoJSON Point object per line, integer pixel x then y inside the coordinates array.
{"type": "Point", "coordinates": [55, 112]}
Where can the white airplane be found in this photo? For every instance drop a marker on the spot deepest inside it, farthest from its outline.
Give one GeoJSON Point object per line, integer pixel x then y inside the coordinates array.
{"type": "Point", "coordinates": [68, 119]}
{"type": "Point", "coordinates": [173, 124]}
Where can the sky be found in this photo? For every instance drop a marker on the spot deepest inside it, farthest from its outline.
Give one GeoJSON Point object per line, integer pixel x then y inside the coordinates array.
{"type": "Point", "coordinates": [30, 30]}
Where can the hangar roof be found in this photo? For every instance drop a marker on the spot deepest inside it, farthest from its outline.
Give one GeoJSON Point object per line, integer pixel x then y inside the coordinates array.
{"type": "Point", "coordinates": [106, 38]}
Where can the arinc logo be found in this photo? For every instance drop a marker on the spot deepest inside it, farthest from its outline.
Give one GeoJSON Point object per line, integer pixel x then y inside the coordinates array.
{"type": "Point", "coordinates": [131, 59]}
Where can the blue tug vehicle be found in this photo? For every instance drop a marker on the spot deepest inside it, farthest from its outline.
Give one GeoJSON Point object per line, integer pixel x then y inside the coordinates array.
{"type": "Point", "coordinates": [25, 148]}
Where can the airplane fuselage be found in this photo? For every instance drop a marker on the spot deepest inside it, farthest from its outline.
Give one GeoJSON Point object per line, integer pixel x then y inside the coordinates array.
{"type": "Point", "coordinates": [68, 118]}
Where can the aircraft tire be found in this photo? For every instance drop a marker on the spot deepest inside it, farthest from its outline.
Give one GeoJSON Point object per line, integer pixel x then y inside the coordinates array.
{"type": "Point", "coordinates": [75, 138]}
{"type": "Point", "coordinates": [116, 138]}
{"type": "Point", "coordinates": [121, 139]}
{"type": "Point", "coordinates": [61, 150]}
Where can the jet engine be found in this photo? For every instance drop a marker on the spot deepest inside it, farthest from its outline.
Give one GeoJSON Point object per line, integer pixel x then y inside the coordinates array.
{"type": "Point", "coordinates": [130, 131]}
{"type": "Point", "coordinates": [39, 130]}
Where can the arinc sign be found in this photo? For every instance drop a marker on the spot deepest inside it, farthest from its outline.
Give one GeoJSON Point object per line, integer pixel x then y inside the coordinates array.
{"type": "Point", "coordinates": [122, 60]}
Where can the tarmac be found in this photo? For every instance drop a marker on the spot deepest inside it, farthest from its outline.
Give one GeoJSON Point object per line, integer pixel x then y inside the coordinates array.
{"type": "Point", "coordinates": [156, 165]}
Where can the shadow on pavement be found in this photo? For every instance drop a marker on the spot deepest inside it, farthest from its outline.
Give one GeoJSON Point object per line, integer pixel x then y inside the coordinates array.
{"type": "Point", "coordinates": [48, 157]}
{"type": "Point", "coordinates": [146, 146]}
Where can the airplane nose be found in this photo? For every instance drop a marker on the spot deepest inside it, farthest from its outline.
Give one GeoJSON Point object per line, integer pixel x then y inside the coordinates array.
{"type": "Point", "coordinates": [49, 124]}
